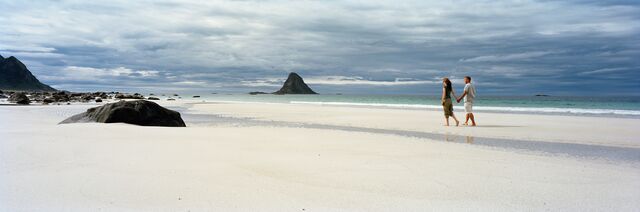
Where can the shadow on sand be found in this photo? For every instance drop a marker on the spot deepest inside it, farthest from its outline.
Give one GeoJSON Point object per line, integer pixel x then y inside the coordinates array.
{"type": "Point", "coordinates": [495, 126]}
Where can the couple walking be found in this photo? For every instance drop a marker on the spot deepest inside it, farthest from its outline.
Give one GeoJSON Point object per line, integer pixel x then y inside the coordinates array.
{"type": "Point", "coordinates": [469, 95]}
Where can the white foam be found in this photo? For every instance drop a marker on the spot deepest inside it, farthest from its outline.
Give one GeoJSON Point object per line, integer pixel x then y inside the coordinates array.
{"type": "Point", "coordinates": [485, 108]}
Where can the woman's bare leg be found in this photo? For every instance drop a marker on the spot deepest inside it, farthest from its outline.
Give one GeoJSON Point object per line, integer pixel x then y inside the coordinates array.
{"type": "Point", "coordinates": [455, 119]}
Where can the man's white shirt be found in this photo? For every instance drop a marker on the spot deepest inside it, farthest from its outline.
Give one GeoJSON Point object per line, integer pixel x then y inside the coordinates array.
{"type": "Point", "coordinates": [471, 93]}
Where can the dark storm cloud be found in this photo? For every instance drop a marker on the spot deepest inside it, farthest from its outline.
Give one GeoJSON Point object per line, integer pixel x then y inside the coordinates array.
{"type": "Point", "coordinates": [509, 47]}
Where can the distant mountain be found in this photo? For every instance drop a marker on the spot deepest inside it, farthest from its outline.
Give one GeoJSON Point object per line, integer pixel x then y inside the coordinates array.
{"type": "Point", "coordinates": [295, 85]}
{"type": "Point", "coordinates": [14, 75]}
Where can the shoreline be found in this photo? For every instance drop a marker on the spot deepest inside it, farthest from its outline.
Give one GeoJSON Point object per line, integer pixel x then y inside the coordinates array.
{"type": "Point", "coordinates": [457, 109]}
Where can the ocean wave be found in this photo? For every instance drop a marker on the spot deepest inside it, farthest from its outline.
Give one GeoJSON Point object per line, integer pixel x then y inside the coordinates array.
{"type": "Point", "coordinates": [486, 108]}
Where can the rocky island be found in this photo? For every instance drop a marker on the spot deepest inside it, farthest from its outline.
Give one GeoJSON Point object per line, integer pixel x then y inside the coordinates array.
{"type": "Point", "coordinates": [294, 85]}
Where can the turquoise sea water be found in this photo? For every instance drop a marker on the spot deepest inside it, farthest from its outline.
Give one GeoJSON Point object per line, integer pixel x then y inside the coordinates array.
{"type": "Point", "coordinates": [618, 106]}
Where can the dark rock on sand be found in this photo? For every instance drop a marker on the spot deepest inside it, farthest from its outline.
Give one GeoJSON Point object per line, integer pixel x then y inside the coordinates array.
{"type": "Point", "coordinates": [87, 97]}
{"type": "Point", "coordinates": [139, 112]}
{"type": "Point", "coordinates": [196, 96]}
{"type": "Point", "coordinates": [102, 95]}
{"type": "Point", "coordinates": [98, 99]}
{"type": "Point", "coordinates": [48, 100]}
{"type": "Point", "coordinates": [295, 85]}
{"type": "Point", "coordinates": [153, 98]}
{"type": "Point", "coordinates": [14, 75]}
{"type": "Point", "coordinates": [62, 96]}
{"type": "Point", "coordinates": [129, 96]}
{"type": "Point", "coordinates": [19, 98]}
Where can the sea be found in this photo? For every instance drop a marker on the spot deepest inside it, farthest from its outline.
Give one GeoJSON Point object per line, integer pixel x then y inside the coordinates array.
{"type": "Point", "coordinates": [628, 107]}
{"type": "Point", "coordinates": [566, 105]}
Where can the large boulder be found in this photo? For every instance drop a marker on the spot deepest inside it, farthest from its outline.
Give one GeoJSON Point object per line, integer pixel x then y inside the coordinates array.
{"type": "Point", "coordinates": [295, 85]}
{"type": "Point", "coordinates": [139, 112]}
{"type": "Point", "coordinates": [19, 98]}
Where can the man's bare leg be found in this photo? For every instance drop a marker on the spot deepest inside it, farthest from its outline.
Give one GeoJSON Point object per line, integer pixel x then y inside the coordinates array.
{"type": "Point", "coordinates": [466, 121]}
{"type": "Point", "coordinates": [473, 121]}
{"type": "Point", "coordinates": [446, 121]}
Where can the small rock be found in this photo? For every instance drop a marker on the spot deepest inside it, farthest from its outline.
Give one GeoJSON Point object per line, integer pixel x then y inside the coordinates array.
{"type": "Point", "coordinates": [257, 92]}
{"type": "Point", "coordinates": [48, 100]}
{"type": "Point", "coordinates": [129, 96]}
{"type": "Point", "coordinates": [19, 98]}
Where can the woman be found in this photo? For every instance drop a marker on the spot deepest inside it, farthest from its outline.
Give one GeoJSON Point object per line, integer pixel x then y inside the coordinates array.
{"type": "Point", "coordinates": [447, 92]}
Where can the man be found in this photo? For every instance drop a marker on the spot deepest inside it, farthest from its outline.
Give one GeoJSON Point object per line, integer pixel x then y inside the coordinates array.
{"type": "Point", "coordinates": [469, 95]}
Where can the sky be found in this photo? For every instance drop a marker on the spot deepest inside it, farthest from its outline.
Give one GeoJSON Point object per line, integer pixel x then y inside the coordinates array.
{"type": "Point", "coordinates": [513, 47]}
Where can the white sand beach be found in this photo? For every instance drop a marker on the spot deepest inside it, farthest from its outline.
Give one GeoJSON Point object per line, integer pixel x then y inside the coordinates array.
{"type": "Point", "coordinates": [290, 157]}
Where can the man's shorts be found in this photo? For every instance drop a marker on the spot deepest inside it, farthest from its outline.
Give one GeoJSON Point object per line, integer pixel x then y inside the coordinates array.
{"type": "Point", "coordinates": [468, 107]}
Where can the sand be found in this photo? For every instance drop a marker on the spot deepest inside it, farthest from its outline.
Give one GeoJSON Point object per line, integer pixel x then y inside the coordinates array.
{"type": "Point", "coordinates": [251, 161]}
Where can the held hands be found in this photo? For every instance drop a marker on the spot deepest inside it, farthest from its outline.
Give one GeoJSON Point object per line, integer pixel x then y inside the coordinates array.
{"type": "Point", "coordinates": [458, 100]}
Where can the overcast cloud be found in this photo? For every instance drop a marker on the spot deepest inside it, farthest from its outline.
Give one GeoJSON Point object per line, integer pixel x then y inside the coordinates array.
{"type": "Point", "coordinates": [509, 47]}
